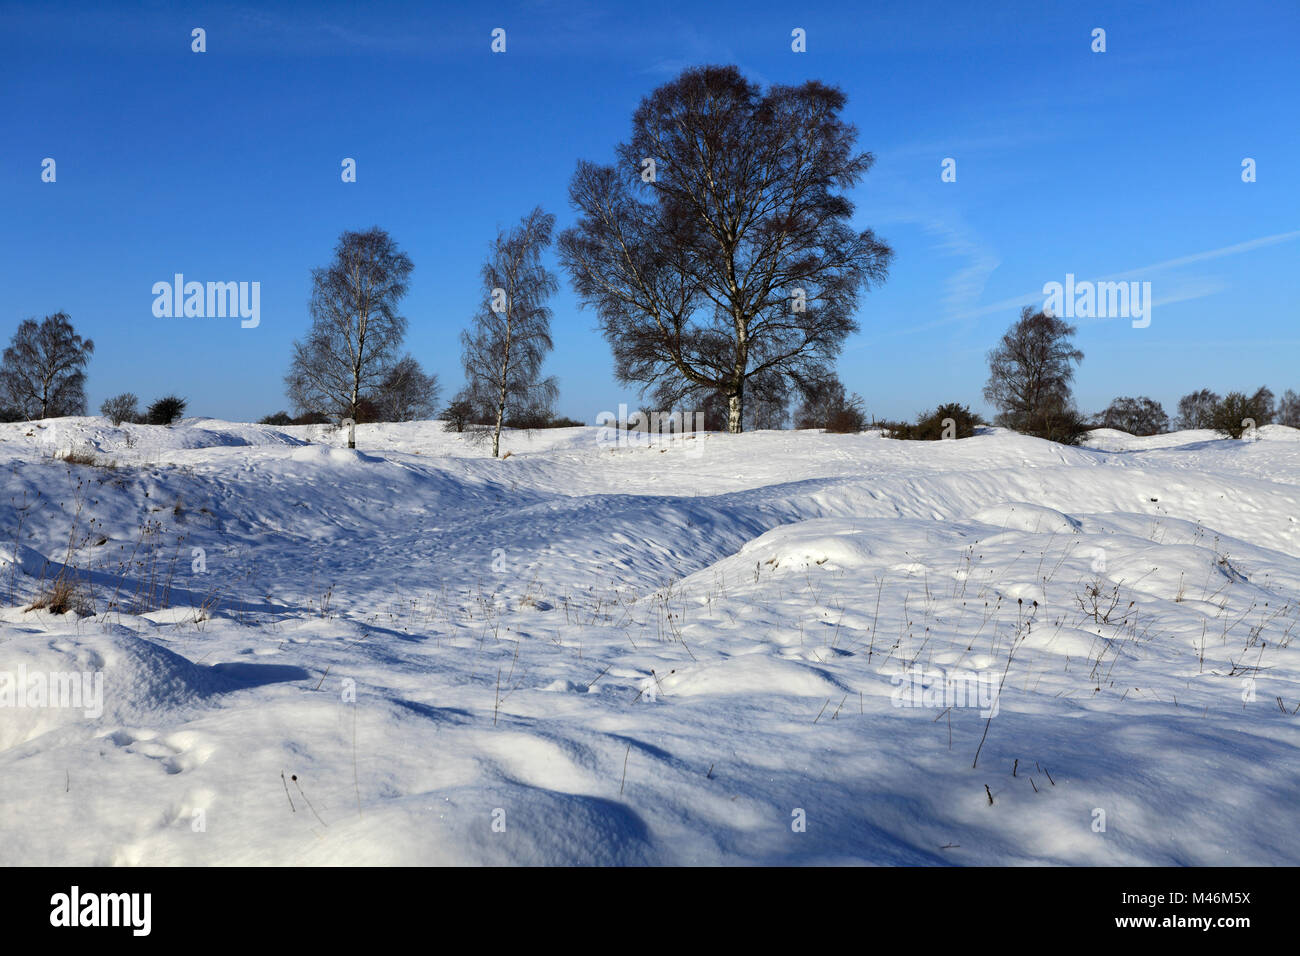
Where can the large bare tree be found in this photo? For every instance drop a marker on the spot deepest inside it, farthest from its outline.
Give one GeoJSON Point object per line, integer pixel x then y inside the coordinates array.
{"type": "Point", "coordinates": [43, 374]}
{"type": "Point", "coordinates": [356, 331]}
{"type": "Point", "coordinates": [718, 247]}
{"type": "Point", "coordinates": [511, 332]}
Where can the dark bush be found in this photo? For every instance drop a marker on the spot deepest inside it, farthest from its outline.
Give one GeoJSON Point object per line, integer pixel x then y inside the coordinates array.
{"type": "Point", "coordinates": [459, 414]}
{"type": "Point", "coordinates": [1137, 416]}
{"type": "Point", "coordinates": [1235, 409]}
{"type": "Point", "coordinates": [527, 418]}
{"type": "Point", "coordinates": [1059, 423]}
{"type": "Point", "coordinates": [1066, 426]}
{"type": "Point", "coordinates": [166, 410]}
{"type": "Point", "coordinates": [826, 405]}
{"type": "Point", "coordinates": [530, 418]}
{"type": "Point", "coordinates": [933, 426]}
{"type": "Point", "coordinates": [279, 418]}
{"type": "Point", "coordinates": [850, 419]}
{"type": "Point", "coordinates": [313, 418]}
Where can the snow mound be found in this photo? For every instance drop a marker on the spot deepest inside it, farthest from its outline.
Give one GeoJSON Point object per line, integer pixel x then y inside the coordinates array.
{"type": "Point", "coordinates": [1023, 516]}
{"type": "Point", "coordinates": [108, 680]}
{"type": "Point", "coordinates": [756, 674]}
{"type": "Point", "coordinates": [809, 543]}
{"type": "Point", "coordinates": [331, 456]}
{"type": "Point", "coordinates": [24, 560]}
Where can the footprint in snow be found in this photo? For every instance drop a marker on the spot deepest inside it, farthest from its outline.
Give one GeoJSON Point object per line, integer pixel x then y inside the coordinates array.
{"type": "Point", "coordinates": [176, 752]}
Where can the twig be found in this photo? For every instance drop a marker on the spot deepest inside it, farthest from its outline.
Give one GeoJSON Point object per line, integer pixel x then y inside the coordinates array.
{"type": "Point", "coordinates": [294, 778]}
{"type": "Point", "coordinates": [286, 792]}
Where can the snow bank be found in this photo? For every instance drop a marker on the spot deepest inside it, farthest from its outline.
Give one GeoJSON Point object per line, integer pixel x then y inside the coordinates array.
{"type": "Point", "coordinates": [413, 653]}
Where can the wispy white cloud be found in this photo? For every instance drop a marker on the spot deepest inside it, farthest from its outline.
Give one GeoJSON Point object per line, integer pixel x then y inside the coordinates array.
{"type": "Point", "coordinates": [966, 284]}
{"type": "Point", "coordinates": [955, 238]}
{"type": "Point", "coordinates": [1183, 291]}
{"type": "Point", "coordinates": [1232, 250]}
{"type": "Point", "coordinates": [1199, 291]}
{"type": "Point", "coordinates": [331, 30]}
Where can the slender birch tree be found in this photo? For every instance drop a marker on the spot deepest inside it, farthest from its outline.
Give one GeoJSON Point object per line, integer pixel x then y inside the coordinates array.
{"type": "Point", "coordinates": [352, 346]}
{"type": "Point", "coordinates": [509, 338]}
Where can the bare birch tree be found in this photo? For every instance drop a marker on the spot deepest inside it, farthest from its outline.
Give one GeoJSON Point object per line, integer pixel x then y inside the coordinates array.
{"type": "Point", "coordinates": [1030, 372]}
{"type": "Point", "coordinates": [356, 331]}
{"type": "Point", "coordinates": [43, 374]}
{"type": "Point", "coordinates": [511, 333]}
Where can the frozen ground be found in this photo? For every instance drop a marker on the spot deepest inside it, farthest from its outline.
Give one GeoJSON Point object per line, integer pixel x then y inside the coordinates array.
{"type": "Point", "coordinates": [411, 653]}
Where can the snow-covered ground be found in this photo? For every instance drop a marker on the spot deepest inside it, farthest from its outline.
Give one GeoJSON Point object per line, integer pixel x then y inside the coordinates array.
{"type": "Point", "coordinates": [779, 647]}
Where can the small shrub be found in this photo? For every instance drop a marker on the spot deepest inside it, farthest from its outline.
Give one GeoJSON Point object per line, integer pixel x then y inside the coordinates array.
{"type": "Point", "coordinates": [1137, 416]}
{"type": "Point", "coordinates": [933, 426]}
{"type": "Point", "coordinates": [62, 596]}
{"type": "Point", "coordinates": [312, 418]}
{"type": "Point", "coordinates": [121, 408]}
{"type": "Point", "coordinates": [561, 421]}
{"type": "Point", "coordinates": [166, 410]}
{"type": "Point", "coordinates": [850, 419]}
{"type": "Point", "coordinates": [78, 456]}
{"type": "Point", "coordinates": [827, 405]}
{"type": "Point", "coordinates": [893, 429]}
{"type": "Point", "coordinates": [279, 418]}
{"type": "Point", "coordinates": [1231, 413]}
{"type": "Point", "coordinates": [1065, 426]}
{"type": "Point", "coordinates": [1061, 423]}
{"type": "Point", "coordinates": [459, 414]}
{"type": "Point", "coordinates": [528, 419]}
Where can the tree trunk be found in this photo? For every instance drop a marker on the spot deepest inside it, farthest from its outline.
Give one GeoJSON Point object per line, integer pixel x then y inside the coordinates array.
{"type": "Point", "coordinates": [496, 435]}
{"type": "Point", "coordinates": [736, 410]}
{"type": "Point", "coordinates": [501, 400]}
{"type": "Point", "coordinates": [505, 374]}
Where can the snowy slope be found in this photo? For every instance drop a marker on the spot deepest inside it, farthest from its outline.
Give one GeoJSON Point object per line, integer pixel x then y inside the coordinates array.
{"type": "Point", "coordinates": [690, 655]}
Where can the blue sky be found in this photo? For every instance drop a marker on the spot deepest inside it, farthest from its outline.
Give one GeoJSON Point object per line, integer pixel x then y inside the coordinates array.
{"type": "Point", "coordinates": [225, 166]}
